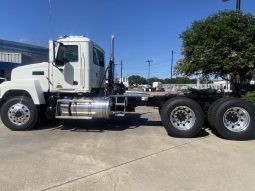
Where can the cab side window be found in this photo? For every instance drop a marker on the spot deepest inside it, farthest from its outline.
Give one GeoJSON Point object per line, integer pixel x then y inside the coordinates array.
{"type": "Point", "coordinates": [98, 57]}
{"type": "Point", "coordinates": [67, 53]}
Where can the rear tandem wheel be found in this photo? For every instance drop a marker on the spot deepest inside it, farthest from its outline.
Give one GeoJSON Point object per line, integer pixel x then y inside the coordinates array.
{"type": "Point", "coordinates": [182, 117]}
{"type": "Point", "coordinates": [234, 119]}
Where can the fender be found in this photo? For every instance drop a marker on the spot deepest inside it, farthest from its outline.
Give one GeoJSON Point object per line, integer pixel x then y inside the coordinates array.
{"type": "Point", "coordinates": [31, 86]}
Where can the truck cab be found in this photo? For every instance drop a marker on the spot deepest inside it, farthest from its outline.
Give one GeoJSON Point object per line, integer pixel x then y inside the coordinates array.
{"type": "Point", "coordinates": [70, 85]}
{"type": "Point", "coordinates": [76, 64]}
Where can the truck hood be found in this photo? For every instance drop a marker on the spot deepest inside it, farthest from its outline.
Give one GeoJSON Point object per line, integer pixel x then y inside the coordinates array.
{"type": "Point", "coordinates": [30, 71]}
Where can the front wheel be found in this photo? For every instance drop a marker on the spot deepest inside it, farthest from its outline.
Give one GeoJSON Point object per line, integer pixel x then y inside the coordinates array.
{"type": "Point", "coordinates": [182, 117]}
{"type": "Point", "coordinates": [19, 113]}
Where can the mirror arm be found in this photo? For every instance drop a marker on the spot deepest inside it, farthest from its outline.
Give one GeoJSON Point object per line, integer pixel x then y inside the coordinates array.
{"type": "Point", "coordinates": [60, 69]}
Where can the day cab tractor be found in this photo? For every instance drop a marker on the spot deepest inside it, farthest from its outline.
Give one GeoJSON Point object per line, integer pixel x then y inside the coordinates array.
{"type": "Point", "coordinates": [76, 84]}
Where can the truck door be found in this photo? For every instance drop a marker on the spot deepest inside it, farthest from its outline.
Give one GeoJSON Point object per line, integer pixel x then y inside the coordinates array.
{"type": "Point", "coordinates": [66, 73]}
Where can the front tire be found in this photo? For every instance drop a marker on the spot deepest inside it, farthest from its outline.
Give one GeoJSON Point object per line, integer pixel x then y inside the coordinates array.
{"type": "Point", "coordinates": [19, 113]}
{"type": "Point", "coordinates": [182, 117]}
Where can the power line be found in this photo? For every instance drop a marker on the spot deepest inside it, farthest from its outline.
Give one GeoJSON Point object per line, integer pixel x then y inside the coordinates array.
{"type": "Point", "coordinates": [152, 64]}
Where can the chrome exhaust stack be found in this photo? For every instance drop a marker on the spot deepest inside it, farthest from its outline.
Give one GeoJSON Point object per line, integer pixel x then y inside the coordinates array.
{"type": "Point", "coordinates": [111, 68]}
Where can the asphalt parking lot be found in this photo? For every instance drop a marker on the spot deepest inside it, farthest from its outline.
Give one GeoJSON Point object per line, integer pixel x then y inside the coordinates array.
{"type": "Point", "coordinates": [131, 153]}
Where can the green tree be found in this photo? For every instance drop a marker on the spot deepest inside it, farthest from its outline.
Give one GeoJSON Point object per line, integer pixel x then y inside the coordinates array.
{"type": "Point", "coordinates": [179, 80]}
{"type": "Point", "coordinates": [221, 45]}
{"type": "Point", "coordinates": [155, 79]}
{"type": "Point", "coordinates": [136, 79]}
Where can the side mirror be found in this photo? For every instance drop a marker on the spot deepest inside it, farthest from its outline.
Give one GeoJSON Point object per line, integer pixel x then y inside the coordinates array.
{"type": "Point", "coordinates": [51, 51]}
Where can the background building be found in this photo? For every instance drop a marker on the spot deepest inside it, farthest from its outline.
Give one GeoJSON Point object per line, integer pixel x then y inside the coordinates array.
{"type": "Point", "coordinates": [124, 80]}
{"type": "Point", "coordinates": [14, 54]}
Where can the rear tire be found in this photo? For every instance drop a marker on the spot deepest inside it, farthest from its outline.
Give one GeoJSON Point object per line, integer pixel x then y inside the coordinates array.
{"type": "Point", "coordinates": [19, 113]}
{"type": "Point", "coordinates": [213, 108]}
{"type": "Point", "coordinates": [182, 117]}
{"type": "Point", "coordinates": [235, 119]}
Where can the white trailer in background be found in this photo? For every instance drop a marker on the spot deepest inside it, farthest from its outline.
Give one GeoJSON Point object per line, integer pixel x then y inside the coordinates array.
{"type": "Point", "coordinates": [158, 86]}
{"type": "Point", "coordinates": [225, 84]}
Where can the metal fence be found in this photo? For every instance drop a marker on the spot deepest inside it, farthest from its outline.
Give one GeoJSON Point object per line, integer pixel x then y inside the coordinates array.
{"type": "Point", "coordinates": [177, 87]}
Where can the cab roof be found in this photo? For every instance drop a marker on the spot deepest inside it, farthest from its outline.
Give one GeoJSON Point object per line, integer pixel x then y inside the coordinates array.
{"type": "Point", "coordinates": [74, 38]}
{"type": "Point", "coordinates": [77, 39]}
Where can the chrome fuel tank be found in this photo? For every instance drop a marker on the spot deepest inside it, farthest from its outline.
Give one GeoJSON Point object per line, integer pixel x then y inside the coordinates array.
{"type": "Point", "coordinates": [85, 107]}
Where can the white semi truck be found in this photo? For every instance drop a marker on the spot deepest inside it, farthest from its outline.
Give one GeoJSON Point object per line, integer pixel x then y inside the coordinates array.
{"type": "Point", "coordinates": [72, 85]}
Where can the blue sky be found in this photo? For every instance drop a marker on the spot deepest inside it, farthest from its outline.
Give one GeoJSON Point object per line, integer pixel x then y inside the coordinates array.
{"type": "Point", "coordinates": [144, 29]}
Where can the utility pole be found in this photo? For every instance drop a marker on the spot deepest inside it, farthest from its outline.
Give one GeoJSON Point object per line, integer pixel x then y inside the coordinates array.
{"type": "Point", "coordinates": [238, 5]}
{"type": "Point", "coordinates": [121, 67]}
{"type": "Point", "coordinates": [149, 67]}
{"type": "Point", "coordinates": [172, 63]}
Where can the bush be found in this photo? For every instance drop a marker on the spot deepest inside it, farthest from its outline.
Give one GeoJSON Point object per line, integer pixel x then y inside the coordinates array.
{"type": "Point", "coordinates": [250, 97]}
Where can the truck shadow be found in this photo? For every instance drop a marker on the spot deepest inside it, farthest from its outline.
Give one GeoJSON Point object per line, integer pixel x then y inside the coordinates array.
{"type": "Point", "coordinates": [130, 121]}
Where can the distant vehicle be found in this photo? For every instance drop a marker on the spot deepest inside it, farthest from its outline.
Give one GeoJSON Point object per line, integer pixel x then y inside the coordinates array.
{"type": "Point", "coordinates": [158, 86]}
{"type": "Point", "coordinates": [148, 88]}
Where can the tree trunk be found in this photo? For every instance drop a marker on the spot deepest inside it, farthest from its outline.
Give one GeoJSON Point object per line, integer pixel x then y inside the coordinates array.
{"type": "Point", "coordinates": [236, 89]}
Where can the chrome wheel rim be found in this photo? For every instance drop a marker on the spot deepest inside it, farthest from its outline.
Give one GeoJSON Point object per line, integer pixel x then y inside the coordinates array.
{"type": "Point", "coordinates": [19, 114]}
{"type": "Point", "coordinates": [182, 118]}
{"type": "Point", "coordinates": [236, 119]}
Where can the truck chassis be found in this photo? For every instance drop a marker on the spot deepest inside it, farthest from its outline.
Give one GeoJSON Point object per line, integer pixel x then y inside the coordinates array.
{"type": "Point", "coordinates": [182, 116]}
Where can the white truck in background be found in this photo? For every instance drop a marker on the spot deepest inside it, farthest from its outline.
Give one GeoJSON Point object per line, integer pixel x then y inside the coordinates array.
{"type": "Point", "coordinates": [158, 86]}
{"type": "Point", "coordinates": [72, 85]}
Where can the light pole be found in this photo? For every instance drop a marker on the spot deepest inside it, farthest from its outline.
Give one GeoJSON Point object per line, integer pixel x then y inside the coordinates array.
{"type": "Point", "coordinates": [121, 67]}
{"type": "Point", "coordinates": [172, 63]}
{"type": "Point", "coordinates": [149, 67]}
